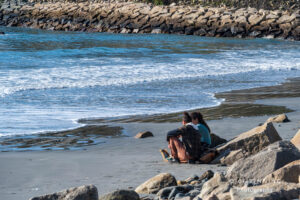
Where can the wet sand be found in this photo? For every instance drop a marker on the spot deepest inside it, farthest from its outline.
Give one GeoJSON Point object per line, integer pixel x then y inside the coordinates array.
{"type": "Point", "coordinates": [122, 162]}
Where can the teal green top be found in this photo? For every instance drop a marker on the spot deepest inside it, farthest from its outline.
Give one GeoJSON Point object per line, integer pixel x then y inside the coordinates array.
{"type": "Point", "coordinates": [205, 135]}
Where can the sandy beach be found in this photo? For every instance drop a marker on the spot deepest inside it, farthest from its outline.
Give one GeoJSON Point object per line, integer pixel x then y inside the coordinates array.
{"type": "Point", "coordinates": [120, 163]}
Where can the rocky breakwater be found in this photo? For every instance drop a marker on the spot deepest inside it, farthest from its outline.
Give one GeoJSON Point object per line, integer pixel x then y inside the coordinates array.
{"type": "Point", "coordinates": [130, 17]}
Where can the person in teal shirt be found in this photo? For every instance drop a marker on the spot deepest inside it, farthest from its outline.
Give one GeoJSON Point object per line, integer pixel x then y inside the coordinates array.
{"type": "Point", "coordinates": [203, 128]}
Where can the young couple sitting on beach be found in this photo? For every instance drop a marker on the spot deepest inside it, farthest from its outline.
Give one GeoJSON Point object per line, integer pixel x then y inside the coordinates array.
{"type": "Point", "coordinates": [191, 142]}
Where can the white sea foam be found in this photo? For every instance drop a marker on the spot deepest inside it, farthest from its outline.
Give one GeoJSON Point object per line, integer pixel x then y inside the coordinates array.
{"type": "Point", "coordinates": [119, 74]}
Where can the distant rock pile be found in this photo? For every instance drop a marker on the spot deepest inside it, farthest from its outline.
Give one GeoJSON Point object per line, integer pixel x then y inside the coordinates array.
{"type": "Point", "coordinates": [130, 17]}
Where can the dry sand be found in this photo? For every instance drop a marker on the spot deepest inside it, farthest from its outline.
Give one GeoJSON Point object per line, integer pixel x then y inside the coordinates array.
{"type": "Point", "coordinates": [120, 162]}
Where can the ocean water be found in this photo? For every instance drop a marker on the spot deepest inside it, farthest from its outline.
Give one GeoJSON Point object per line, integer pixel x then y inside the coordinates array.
{"type": "Point", "coordinates": [49, 80]}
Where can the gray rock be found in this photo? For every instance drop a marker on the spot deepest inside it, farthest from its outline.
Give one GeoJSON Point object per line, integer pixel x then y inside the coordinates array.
{"type": "Point", "coordinates": [181, 196]}
{"type": "Point", "coordinates": [86, 192]}
{"type": "Point", "coordinates": [270, 191]}
{"type": "Point", "coordinates": [286, 19]}
{"type": "Point", "coordinates": [254, 168]}
{"type": "Point", "coordinates": [232, 157]}
{"type": "Point", "coordinates": [252, 141]}
{"type": "Point", "coordinates": [193, 193]}
{"type": "Point", "coordinates": [156, 183]}
{"type": "Point", "coordinates": [218, 185]}
{"type": "Point", "coordinates": [289, 173]}
{"type": "Point", "coordinates": [296, 139]}
{"type": "Point", "coordinates": [121, 195]}
{"type": "Point", "coordinates": [256, 19]}
{"type": "Point", "coordinates": [156, 31]}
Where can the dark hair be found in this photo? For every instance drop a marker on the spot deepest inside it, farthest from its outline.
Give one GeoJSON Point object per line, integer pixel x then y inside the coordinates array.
{"type": "Point", "coordinates": [186, 117]}
{"type": "Point", "coordinates": [198, 115]}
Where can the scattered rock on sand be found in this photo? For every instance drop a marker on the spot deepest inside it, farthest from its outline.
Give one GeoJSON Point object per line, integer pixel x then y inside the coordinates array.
{"type": "Point", "coordinates": [144, 134]}
{"type": "Point", "coordinates": [279, 119]}
{"type": "Point", "coordinates": [86, 192]}
{"type": "Point", "coordinates": [253, 141]}
{"type": "Point", "coordinates": [268, 191]}
{"type": "Point", "coordinates": [288, 173]}
{"type": "Point", "coordinates": [121, 195]}
{"type": "Point", "coordinates": [216, 140]}
{"type": "Point", "coordinates": [256, 167]}
{"type": "Point", "coordinates": [296, 140]}
{"type": "Point", "coordinates": [192, 178]}
{"type": "Point", "coordinates": [156, 183]}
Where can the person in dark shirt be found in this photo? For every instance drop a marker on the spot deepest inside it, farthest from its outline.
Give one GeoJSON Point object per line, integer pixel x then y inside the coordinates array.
{"type": "Point", "coordinates": [188, 149]}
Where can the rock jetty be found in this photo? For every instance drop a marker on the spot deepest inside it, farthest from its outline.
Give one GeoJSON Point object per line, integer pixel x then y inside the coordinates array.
{"type": "Point", "coordinates": [132, 17]}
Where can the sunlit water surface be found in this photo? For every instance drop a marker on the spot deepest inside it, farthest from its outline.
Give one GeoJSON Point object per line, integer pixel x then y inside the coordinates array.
{"type": "Point", "coordinates": [48, 80]}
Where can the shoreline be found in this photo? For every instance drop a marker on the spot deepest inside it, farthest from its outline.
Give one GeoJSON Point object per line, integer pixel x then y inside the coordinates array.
{"type": "Point", "coordinates": [128, 17]}
{"type": "Point", "coordinates": [234, 101]}
{"type": "Point", "coordinates": [237, 104]}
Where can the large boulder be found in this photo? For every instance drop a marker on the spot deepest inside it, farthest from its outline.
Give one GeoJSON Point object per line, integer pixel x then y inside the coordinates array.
{"type": "Point", "coordinates": [253, 141]}
{"type": "Point", "coordinates": [153, 185]}
{"type": "Point", "coordinates": [279, 119]}
{"type": "Point", "coordinates": [296, 140]}
{"type": "Point", "coordinates": [288, 173]}
{"type": "Point", "coordinates": [270, 191]}
{"type": "Point", "coordinates": [256, 167]}
{"type": "Point", "coordinates": [218, 186]}
{"type": "Point", "coordinates": [86, 192]}
{"type": "Point", "coordinates": [121, 195]}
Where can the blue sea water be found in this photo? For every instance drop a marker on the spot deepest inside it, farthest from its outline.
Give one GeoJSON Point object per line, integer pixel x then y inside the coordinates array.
{"type": "Point", "coordinates": [49, 80]}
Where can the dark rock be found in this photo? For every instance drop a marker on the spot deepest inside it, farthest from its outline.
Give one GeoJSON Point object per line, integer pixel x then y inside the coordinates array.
{"type": "Point", "coordinates": [189, 30]}
{"type": "Point", "coordinates": [87, 192]}
{"type": "Point", "coordinates": [144, 134]}
{"type": "Point", "coordinates": [200, 32]}
{"type": "Point", "coordinates": [171, 192]}
{"type": "Point", "coordinates": [216, 140]}
{"type": "Point", "coordinates": [206, 175]}
{"type": "Point", "coordinates": [165, 192]}
{"type": "Point", "coordinates": [2, 33]}
{"type": "Point", "coordinates": [121, 195]}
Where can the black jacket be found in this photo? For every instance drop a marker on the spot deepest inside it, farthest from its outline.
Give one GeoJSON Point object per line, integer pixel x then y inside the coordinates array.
{"type": "Point", "coordinates": [191, 139]}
